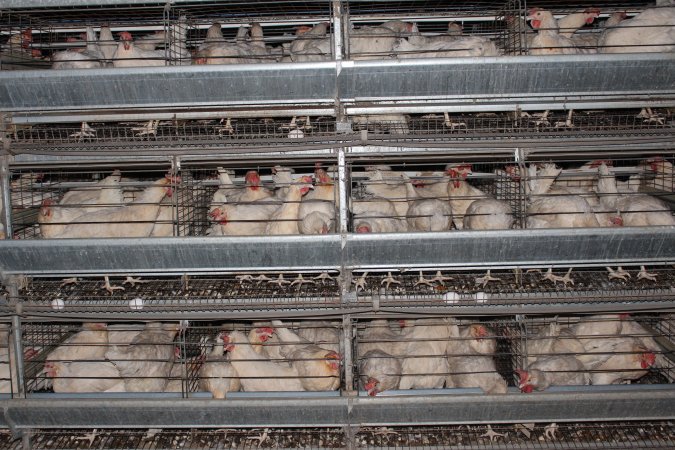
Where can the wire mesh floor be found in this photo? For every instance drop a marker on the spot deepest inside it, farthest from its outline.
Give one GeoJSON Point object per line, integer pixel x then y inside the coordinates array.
{"type": "Point", "coordinates": [206, 134]}
{"type": "Point", "coordinates": [396, 289]}
{"type": "Point", "coordinates": [619, 435]}
{"type": "Point", "coordinates": [175, 294]}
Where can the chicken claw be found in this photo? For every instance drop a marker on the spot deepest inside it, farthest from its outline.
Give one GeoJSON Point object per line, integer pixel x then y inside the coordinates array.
{"type": "Point", "coordinates": [383, 431]}
{"type": "Point", "coordinates": [85, 132]}
{"type": "Point", "coordinates": [644, 275]}
{"type": "Point", "coordinates": [650, 117]}
{"type": "Point", "coordinates": [148, 129]}
{"type": "Point", "coordinates": [87, 437]}
{"type": "Point", "coordinates": [541, 118]}
{"type": "Point", "coordinates": [389, 280]}
{"type": "Point", "coordinates": [244, 278]}
{"type": "Point", "coordinates": [323, 276]}
{"type": "Point", "coordinates": [227, 128]}
{"type": "Point", "coordinates": [360, 282]}
{"type": "Point", "coordinates": [567, 123]}
{"type": "Point", "coordinates": [423, 281]}
{"type": "Point", "coordinates": [619, 273]}
{"type": "Point", "coordinates": [67, 281]}
{"type": "Point", "coordinates": [108, 287]}
{"type": "Point", "coordinates": [490, 433]}
{"type": "Point", "coordinates": [550, 431]}
{"type": "Point", "coordinates": [260, 438]}
{"type": "Point", "coordinates": [279, 281]}
{"type": "Point", "coordinates": [440, 278]}
{"type": "Point", "coordinates": [450, 124]}
{"type": "Point", "coordinates": [134, 281]}
{"type": "Point", "coordinates": [262, 277]}
{"type": "Point", "coordinates": [555, 278]}
{"type": "Point", "coordinates": [300, 281]}
{"type": "Point", "coordinates": [484, 280]}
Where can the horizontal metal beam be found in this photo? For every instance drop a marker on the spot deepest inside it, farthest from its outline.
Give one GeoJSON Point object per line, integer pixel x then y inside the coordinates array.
{"type": "Point", "coordinates": [461, 249]}
{"type": "Point", "coordinates": [615, 403]}
{"type": "Point", "coordinates": [363, 87]}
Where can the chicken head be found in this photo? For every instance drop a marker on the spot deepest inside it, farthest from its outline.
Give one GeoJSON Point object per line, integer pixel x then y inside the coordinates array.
{"type": "Point", "coordinates": [371, 386]}
{"type": "Point", "coordinates": [525, 381]}
{"type": "Point", "coordinates": [126, 39]}
{"type": "Point", "coordinates": [46, 210]}
{"type": "Point", "coordinates": [458, 173]}
{"type": "Point", "coordinates": [333, 360]}
{"type": "Point", "coordinates": [647, 360]}
{"type": "Point", "coordinates": [264, 333]}
{"type": "Point", "coordinates": [218, 215]}
{"type": "Point", "coordinates": [252, 180]}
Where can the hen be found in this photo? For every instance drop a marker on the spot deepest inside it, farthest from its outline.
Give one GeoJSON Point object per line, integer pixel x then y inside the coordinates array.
{"type": "Point", "coordinates": [256, 372]}
{"type": "Point", "coordinates": [653, 30]}
{"type": "Point", "coordinates": [548, 40]}
{"type": "Point", "coordinates": [136, 219]}
{"type": "Point", "coordinates": [91, 57]}
{"type": "Point", "coordinates": [77, 202]}
{"type": "Point", "coordinates": [317, 208]}
{"type": "Point", "coordinates": [556, 370]}
{"type": "Point", "coordinates": [145, 364]}
{"type": "Point", "coordinates": [425, 365]}
{"type": "Point", "coordinates": [471, 361]}
{"type": "Point", "coordinates": [216, 375]}
{"type": "Point", "coordinates": [426, 214]}
{"type": "Point", "coordinates": [285, 218]}
{"type": "Point", "coordinates": [318, 368]}
{"type": "Point", "coordinates": [379, 371]}
{"type": "Point", "coordinates": [85, 376]}
{"type": "Point", "coordinates": [460, 192]}
{"type": "Point", "coordinates": [127, 55]}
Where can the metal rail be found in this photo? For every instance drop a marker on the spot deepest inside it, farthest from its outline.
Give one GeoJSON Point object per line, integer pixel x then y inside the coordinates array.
{"type": "Point", "coordinates": [364, 87]}
{"type": "Point", "coordinates": [614, 403]}
{"type": "Point", "coordinates": [482, 249]}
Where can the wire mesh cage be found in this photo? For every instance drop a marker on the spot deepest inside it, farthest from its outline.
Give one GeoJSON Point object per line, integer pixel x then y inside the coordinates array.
{"type": "Point", "coordinates": [21, 39]}
{"type": "Point", "coordinates": [202, 358]}
{"type": "Point", "coordinates": [438, 196]}
{"type": "Point", "coordinates": [202, 295]}
{"type": "Point", "coordinates": [433, 353]}
{"type": "Point", "coordinates": [596, 350]}
{"type": "Point", "coordinates": [440, 288]}
{"type": "Point", "coordinates": [267, 199]}
{"type": "Point", "coordinates": [97, 203]}
{"type": "Point", "coordinates": [8, 380]}
{"type": "Point", "coordinates": [622, 191]}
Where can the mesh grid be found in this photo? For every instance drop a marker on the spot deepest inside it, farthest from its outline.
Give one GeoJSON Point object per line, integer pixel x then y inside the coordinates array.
{"type": "Point", "coordinates": [250, 133]}
{"type": "Point", "coordinates": [424, 352]}
{"type": "Point", "coordinates": [598, 435]}
{"type": "Point", "coordinates": [515, 288]}
{"type": "Point", "coordinates": [602, 337]}
{"type": "Point", "coordinates": [69, 358]}
{"type": "Point", "coordinates": [244, 292]}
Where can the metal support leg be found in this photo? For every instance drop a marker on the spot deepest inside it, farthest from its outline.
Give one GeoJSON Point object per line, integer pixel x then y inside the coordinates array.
{"type": "Point", "coordinates": [17, 346]}
{"type": "Point", "coordinates": [6, 196]}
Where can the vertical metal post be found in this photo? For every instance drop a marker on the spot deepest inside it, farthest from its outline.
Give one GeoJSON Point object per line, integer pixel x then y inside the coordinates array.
{"type": "Point", "coordinates": [17, 346]}
{"type": "Point", "coordinates": [347, 353]}
{"type": "Point", "coordinates": [342, 192]}
{"type": "Point", "coordinates": [337, 19]}
{"type": "Point", "coordinates": [176, 198]}
{"type": "Point", "coordinates": [6, 196]}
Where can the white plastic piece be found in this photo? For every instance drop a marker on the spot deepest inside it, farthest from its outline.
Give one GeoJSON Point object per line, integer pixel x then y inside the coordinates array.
{"type": "Point", "coordinates": [136, 303]}
{"type": "Point", "coordinates": [58, 303]}
{"type": "Point", "coordinates": [451, 297]}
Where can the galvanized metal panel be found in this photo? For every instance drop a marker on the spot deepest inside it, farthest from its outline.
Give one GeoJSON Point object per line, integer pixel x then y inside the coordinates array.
{"type": "Point", "coordinates": [31, 90]}
{"type": "Point", "coordinates": [168, 255]}
{"type": "Point", "coordinates": [530, 79]}
{"type": "Point", "coordinates": [633, 402]}
{"type": "Point", "coordinates": [509, 248]}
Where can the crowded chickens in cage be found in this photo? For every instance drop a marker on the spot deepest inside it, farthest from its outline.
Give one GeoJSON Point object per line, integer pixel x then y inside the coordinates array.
{"type": "Point", "coordinates": [197, 39]}
{"type": "Point", "coordinates": [389, 355]}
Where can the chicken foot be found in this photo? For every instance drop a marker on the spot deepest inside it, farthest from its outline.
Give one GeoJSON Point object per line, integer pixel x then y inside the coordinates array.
{"type": "Point", "coordinates": [549, 275]}
{"type": "Point", "coordinates": [108, 287]}
{"type": "Point", "coordinates": [279, 281]}
{"type": "Point", "coordinates": [619, 273]}
{"type": "Point", "coordinates": [450, 124]}
{"type": "Point", "coordinates": [68, 281]}
{"type": "Point", "coordinates": [149, 129]}
{"type": "Point", "coordinates": [440, 278]}
{"type": "Point", "coordinates": [389, 280]}
{"type": "Point", "coordinates": [644, 275]}
{"type": "Point", "coordinates": [567, 123]}
{"type": "Point", "coordinates": [360, 282]}
{"type": "Point", "coordinates": [227, 128]}
{"type": "Point", "coordinates": [651, 117]}
{"type": "Point", "coordinates": [423, 281]}
{"type": "Point", "coordinates": [131, 281]}
{"type": "Point", "coordinates": [490, 433]}
{"type": "Point", "coordinates": [484, 280]}
{"type": "Point", "coordinates": [300, 281]}
{"type": "Point", "coordinates": [85, 132]}
{"type": "Point", "coordinates": [323, 277]}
